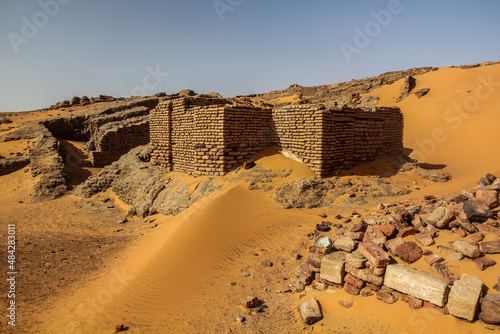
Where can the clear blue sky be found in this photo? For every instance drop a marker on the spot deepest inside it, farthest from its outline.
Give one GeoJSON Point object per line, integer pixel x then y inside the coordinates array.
{"type": "Point", "coordinates": [233, 47]}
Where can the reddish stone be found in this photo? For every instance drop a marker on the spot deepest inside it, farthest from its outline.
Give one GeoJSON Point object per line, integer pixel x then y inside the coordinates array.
{"type": "Point", "coordinates": [373, 287]}
{"type": "Point", "coordinates": [443, 273]}
{"type": "Point", "coordinates": [490, 247]}
{"type": "Point", "coordinates": [251, 302]}
{"type": "Point", "coordinates": [365, 275]}
{"type": "Point", "coordinates": [461, 233]}
{"type": "Point", "coordinates": [488, 197]}
{"type": "Point", "coordinates": [354, 281]}
{"type": "Point", "coordinates": [488, 229]}
{"type": "Point", "coordinates": [403, 212]}
{"type": "Point", "coordinates": [318, 254]}
{"type": "Point", "coordinates": [431, 305]}
{"type": "Point", "coordinates": [366, 292]}
{"type": "Point", "coordinates": [433, 230]}
{"type": "Point", "coordinates": [413, 302]}
{"type": "Point", "coordinates": [345, 303]}
{"type": "Point", "coordinates": [477, 237]}
{"type": "Point", "coordinates": [424, 238]}
{"type": "Point", "coordinates": [308, 270]}
{"type": "Point", "coordinates": [407, 231]}
{"type": "Point", "coordinates": [388, 297]}
{"type": "Point", "coordinates": [359, 226]}
{"type": "Point", "coordinates": [374, 254]}
{"type": "Point", "coordinates": [388, 230]}
{"type": "Point", "coordinates": [427, 252]}
{"type": "Point", "coordinates": [320, 286]}
{"type": "Point", "coordinates": [358, 236]}
{"type": "Point", "coordinates": [434, 258]}
{"type": "Point", "coordinates": [349, 288]}
{"type": "Point", "coordinates": [484, 262]}
{"type": "Point", "coordinates": [408, 252]}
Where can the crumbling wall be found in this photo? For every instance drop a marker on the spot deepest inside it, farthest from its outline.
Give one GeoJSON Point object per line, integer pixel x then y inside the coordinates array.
{"type": "Point", "coordinates": [212, 136]}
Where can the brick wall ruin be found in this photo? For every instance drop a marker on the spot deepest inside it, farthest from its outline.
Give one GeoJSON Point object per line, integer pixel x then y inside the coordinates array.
{"type": "Point", "coordinates": [213, 136]}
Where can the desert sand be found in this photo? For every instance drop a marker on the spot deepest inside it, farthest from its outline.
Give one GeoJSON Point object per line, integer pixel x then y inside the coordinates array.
{"type": "Point", "coordinates": [184, 276]}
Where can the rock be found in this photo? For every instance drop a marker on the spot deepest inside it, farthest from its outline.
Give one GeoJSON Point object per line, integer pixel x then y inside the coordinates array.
{"type": "Point", "coordinates": [374, 235]}
{"type": "Point", "coordinates": [426, 252]}
{"type": "Point", "coordinates": [345, 220]}
{"type": "Point", "coordinates": [322, 215]}
{"type": "Point", "coordinates": [440, 217]}
{"type": "Point", "coordinates": [484, 262]}
{"type": "Point", "coordinates": [308, 270]}
{"type": "Point", "coordinates": [407, 231]}
{"type": "Point", "coordinates": [373, 287]}
{"type": "Point", "coordinates": [266, 263]}
{"type": "Point", "coordinates": [409, 84]}
{"type": "Point", "coordinates": [324, 227]}
{"type": "Point", "coordinates": [374, 253]}
{"type": "Point", "coordinates": [376, 270]}
{"type": "Point", "coordinates": [354, 281]}
{"type": "Point", "coordinates": [64, 104]}
{"type": "Point", "coordinates": [74, 101]}
{"type": "Point", "coordinates": [320, 286]}
{"type": "Point", "coordinates": [416, 283]}
{"type": "Point", "coordinates": [477, 210]}
{"type": "Point", "coordinates": [248, 164]}
{"type": "Point", "coordinates": [405, 214]}
{"type": "Point", "coordinates": [461, 233]}
{"type": "Point", "coordinates": [465, 224]}
{"type": "Point", "coordinates": [490, 247]}
{"type": "Point", "coordinates": [84, 100]}
{"type": "Point", "coordinates": [399, 221]}
{"type": "Point", "coordinates": [365, 274]}
{"type": "Point", "coordinates": [314, 260]}
{"type": "Point", "coordinates": [344, 243]}
{"type": "Point", "coordinates": [408, 252]}
{"type": "Point", "coordinates": [366, 292]}
{"type": "Point", "coordinates": [359, 226]}
{"type": "Point", "coordinates": [413, 302]}
{"type": "Point", "coordinates": [477, 237]}
{"type": "Point", "coordinates": [333, 267]}
{"type": "Point", "coordinates": [388, 230]}
{"type": "Point", "coordinates": [345, 303]}
{"type": "Point", "coordinates": [251, 302]}
{"type": "Point", "coordinates": [434, 258]}
{"type": "Point", "coordinates": [490, 309]}
{"type": "Point", "coordinates": [490, 177]}
{"type": "Point", "coordinates": [483, 182]}
{"type": "Point", "coordinates": [466, 249]}
{"type": "Point", "coordinates": [310, 310]}
{"type": "Point", "coordinates": [422, 92]}
{"type": "Point", "coordinates": [464, 297]}
{"type": "Point", "coordinates": [488, 197]}
{"type": "Point", "coordinates": [455, 256]}
{"type": "Point", "coordinates": [240, 318]}
{"type": "Point", "coordinates": [488, 229]}
{"type": "Point", "coordinates": [441, 269]}
{"type": "Point", "coordinates": [351, 289]}
{"type": "Point", "coordinates": [392, 244]}
{"type": "Point", "coordinates": [358, 236]}
{"type": "Point", "coordinates": [245, 274]}
{"type": "Point", "coordinates": [424, 238]}
{"type": "Point", "coordinates": [356, 259]}
{"type": "Point", "coordinates": [386, 296]}
{"type": "Point", "coordinates": [323, 245]}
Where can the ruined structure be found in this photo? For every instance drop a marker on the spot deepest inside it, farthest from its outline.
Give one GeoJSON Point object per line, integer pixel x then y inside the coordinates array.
{"type": "Point", "coordinates": [213, 136]}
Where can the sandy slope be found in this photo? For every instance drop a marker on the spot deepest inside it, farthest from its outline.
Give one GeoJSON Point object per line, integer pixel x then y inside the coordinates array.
{"type": "Point", "coordinates": [456, 123]}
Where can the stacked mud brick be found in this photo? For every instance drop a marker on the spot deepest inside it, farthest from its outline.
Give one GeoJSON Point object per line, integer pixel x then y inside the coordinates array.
{"type": "Point", "coordinates": [213, 136]}
{"type": "Point", "coordinates": [115, 142]}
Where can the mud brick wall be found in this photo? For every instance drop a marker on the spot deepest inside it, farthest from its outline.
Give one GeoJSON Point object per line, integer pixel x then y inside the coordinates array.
{"type": "Point", "coordinates": [247, 131]}
{"type": "Point", "coordinates": [212, 136]}
{"type": "Point", "coordinates": [161, 135]}
{"type": "Point", "coordinates": [297, 131]}
{"type": "Point", "coordinates": [115, 143]}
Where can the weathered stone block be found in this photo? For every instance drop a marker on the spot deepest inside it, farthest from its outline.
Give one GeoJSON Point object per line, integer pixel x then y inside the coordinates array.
{"type": "Point", "coordinates": [365, 274]}
{"type": "Point", "coordinates": [464, 297]}
{"type": "Point", "coordinates": [490, 247]}
{"type": "Point", "coordinates": [333, 267]}
{"type": "Point", "coordinates": [490, 309]}
{"type": "Point", "coordinates": [374, 253]}
{"type": "Point", "coordinates": [416, 283]}
{"type": "Point", "coordinates": [356, 259]}
{"type": "Point", "coordinates": [310, 310]}
{"type": "Point", "coordinates": [344, 243]}
{"type": "Point", "coordinates": [466, 249]}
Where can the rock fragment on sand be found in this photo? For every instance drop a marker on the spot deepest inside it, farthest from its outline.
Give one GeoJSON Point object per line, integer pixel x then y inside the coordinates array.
{"type": "Point", "coordinates": [444, 273]}
{"type": "Point", "coordinates": [440, 217]}
{"type": "Point", "coordinates": [477, 210]}
{"type": "Point", "coordinates": [323, 245]}
{"type": "Point", "coordinates": [416, 283]}
{"type": "Point", "coordinates": [356, 259]}
{"type": "Point", "coordinates": [433, 258]}
{"type": "Point", "coordinates": [466, 248]}
{"type": "Point", "coordinates": [464, 297]}
{"type": "Point", "coordinates": [484, 262]}
{"type": "Point", "coordinates": [251, 302]}
{"type": "Point", "coordinates": [408, 252]}
{"type": "Point", "coordinates": [240, 318]}
{"type": "Point", "coordinates": [490, 309]}
{"type": "Point", "coordinates": [490, 247]}
{"type": "Point", "coordinates": [424, 238]}
{"type": "Point", "coordinates": [310, 310]}
{"type": "Point", "coordinates": [346, 304]}
{"type": "Point", "coordinates": [386, 296]}
{"type": "Point", "coordinates": [413, 303]}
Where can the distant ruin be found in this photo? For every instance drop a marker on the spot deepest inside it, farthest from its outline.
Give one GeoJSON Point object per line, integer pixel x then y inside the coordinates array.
{"type": "Point", "coordinates": [213, 136]}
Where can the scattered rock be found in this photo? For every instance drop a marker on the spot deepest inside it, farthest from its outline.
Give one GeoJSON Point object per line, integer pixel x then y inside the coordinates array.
{"type": "Point", "coordinates": [374, 235]}
{"type": "Point", "coordinates": [322, 215]}
{"type": "Point", "coordinates": [434, 258]}
{"type": "Point", "coordinates": [344, 243]}
{"type": "Point", "coordinates": [386, 296]}
{"type": "Point", "coordinates": [310, 311]}
{"type": "Point", "coordinates": [366, 292]}
{"type": "Point", "coordinates": [408, 252]}
{"type": "Point", "coordinates": [240, 318]}
{"type": "Point", "coordinates": [266, 263]}
{"type": "Point", "coordinates": [484, 262]}
{"type": "Point", "coordinates": [121, 328]}
{"type": "Point", "coordinates": [351, 289]}
{"type": "Point", "coordinates": [466, 248]}
{"type": "Point", "coordinates": [422, 92]}
{"type": "Point", "coordinates": [490, 247]}
{"type": "Point", "coordinates": [464, 297]}
{"type": "Point", "coordinates": [413, 302]}
{"type": "Point", "coordinates": [488, 197]}
{"type": "Point", "coordinates": [440, 217]}
{"type": "Point", "coordinates": [455, 256]}
{"type": "Point", "coordinates": [245, 274]}
{"type": "Point", "coordinates": [374, 253]}
{"type": "Point", "coordinates": [324, 226]}
{"type": "Point", "coordinates": [251, 302]}
{"type": "Point", "coordinates": [424, 238]}
{"type": "Point", "coordinates": [356, 259]}
{"type": "Point", "coordinates": [345, 303]}
{"type": "Point", "coordinates": [490, 309]}
{"type": "Point", "coordinates": [323, 245]}
{"type": "Point", "coordinates": [476, 210]}
{"type": "Point", "coordinates": [441, 269]}
{"type": "Point", "coordinates": [388, 230]}
{"type": "Point", "coordinates": [333, 267]}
